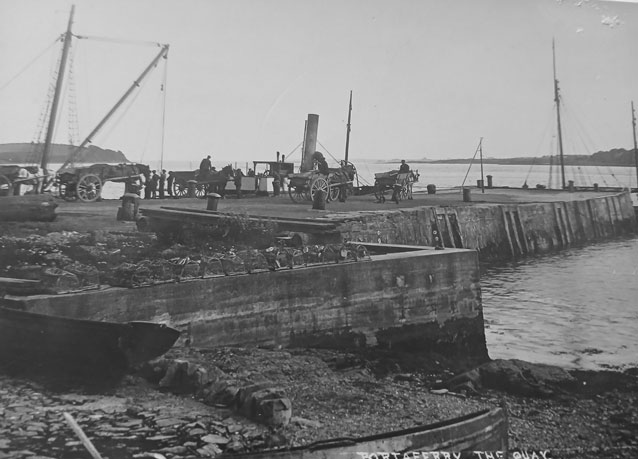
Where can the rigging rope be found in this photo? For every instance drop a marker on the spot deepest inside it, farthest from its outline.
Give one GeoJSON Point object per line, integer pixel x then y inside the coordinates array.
{"type": "Point", "coordinates": [29, 64]}
{"type": "Point", "coordinates": [335, 159]}
{"type": "Point", "coordinates": [163, 89]}
{"type": "Point", "coordinates": [472, 161]}
{"type": "Point", "coordinates": [538, 147]}
{"type": "Point", "coordinates": [118, 40]}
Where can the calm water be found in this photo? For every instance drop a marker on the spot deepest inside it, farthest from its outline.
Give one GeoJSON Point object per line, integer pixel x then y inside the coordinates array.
{"type": "Point", "coordinates": [575, 308]}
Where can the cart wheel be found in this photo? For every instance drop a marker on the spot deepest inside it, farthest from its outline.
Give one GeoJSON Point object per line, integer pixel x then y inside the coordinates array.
{"type": "Point", "coordinates": [201, 190]}
{"type": "Point", "coordinates": [5, 186]}
{"type": "Point", "coordinates": [67, 191]}
{"type": "Point", "coordinates": [297, 194]}
{"type": "Point", "coordinates": [319, 184]}
{"type": "Point", "coordinates": [180, 190]}
{"type": "Point", "coordinates": [89, 188]}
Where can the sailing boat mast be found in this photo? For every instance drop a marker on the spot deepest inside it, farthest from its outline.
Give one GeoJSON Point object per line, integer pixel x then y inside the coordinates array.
{"type": "Point", "coordinates": [633, 122]}
{"type": "Point", "coordinates": [162, 54]}
{"type": "Point", "coordinates": [348, 128]}
{"type": "Point", "coordinates": [58, 90]}
{"type": "Point", "coordinates": [560, 134]}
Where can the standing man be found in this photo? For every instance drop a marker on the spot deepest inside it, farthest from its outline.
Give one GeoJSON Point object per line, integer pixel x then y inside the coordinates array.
{"type": "Point", "coordinates": [404, 168]}
{"type": "Point", "coordinates": [147, 184]}
{"type": "Point", "coordinates": [171, 181]}
{"type": "Point", "coordinates": [237, 180]}
{"type": "Point", "coordinates": [154, 183]}
{"type": "Point", "coordinates": [162, 184]}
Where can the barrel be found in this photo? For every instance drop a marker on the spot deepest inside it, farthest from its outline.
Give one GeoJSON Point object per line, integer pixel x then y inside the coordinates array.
{"type": "Point", "coordinates": [431, 189]}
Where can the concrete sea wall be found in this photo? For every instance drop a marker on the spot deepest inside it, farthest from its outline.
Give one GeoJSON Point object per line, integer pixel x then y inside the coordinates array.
{"type": "Point", "coordinates": [497, 231]}
{"type": "Point", "coordinates": [417, 299]}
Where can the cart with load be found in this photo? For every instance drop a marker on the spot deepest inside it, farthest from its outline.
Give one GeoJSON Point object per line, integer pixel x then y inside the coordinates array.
{"type": "Point", "coordinates": [205, 182]}
{"type": "Point", "coordinates": [400, 183]}
{"type": "Point", "coordinates": [86, 182]}
{"type": "Point", "coordinates": [303, 186]}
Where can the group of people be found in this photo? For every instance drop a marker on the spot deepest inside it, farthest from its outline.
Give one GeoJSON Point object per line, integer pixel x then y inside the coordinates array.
{"type": "Point", "coordinates": [158, 186]}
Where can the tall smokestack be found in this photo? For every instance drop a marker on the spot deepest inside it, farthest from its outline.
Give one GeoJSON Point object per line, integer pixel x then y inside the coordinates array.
{"type": "Point", "coordinates": [310, 142]}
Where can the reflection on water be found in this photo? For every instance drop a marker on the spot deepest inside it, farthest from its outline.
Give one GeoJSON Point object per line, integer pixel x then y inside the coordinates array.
{"type": "Point", "coordinates": [576, 308]}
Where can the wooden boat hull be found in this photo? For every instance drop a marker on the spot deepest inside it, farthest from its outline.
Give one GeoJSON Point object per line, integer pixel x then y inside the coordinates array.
{"type": "Point", "coordinates": [38, 340]}
{"type": "Point", "coordinates": [481, 431]}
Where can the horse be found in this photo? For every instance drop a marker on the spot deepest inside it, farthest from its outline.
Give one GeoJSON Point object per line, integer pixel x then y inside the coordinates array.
{"type": "Point", "coordinates": [215, 181]}
{"type": "Point", "coordinates": [35, 177]}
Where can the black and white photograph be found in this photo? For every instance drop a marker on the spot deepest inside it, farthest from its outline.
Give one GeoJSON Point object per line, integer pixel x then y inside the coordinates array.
{"type": "Point", "coordinates": [358, 229]}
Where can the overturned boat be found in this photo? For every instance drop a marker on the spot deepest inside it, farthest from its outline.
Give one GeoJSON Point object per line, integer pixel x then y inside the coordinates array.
{"type": "Point", "coordinates": [38, 341]}
{"type": "Point", "coordinates": [481, 431]}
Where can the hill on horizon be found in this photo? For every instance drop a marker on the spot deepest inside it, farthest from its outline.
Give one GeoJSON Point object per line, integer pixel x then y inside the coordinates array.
{"type": "Point", "coordinates": [31, 153]}
{"type": "Point", "coordinates": [613, 157]}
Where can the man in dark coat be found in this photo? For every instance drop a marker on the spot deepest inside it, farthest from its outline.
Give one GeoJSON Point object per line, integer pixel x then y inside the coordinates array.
{"type": "Point", "coordinates": [404, 167]}
{"type": "Point", "coordinates": [154, 184]}
{"type": "Point", "coordinates": [237, 180]}
{"type": "Point", "coordinates": [205, 166]}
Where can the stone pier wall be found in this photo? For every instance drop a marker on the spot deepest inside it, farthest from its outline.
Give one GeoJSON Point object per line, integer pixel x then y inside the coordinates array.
{"type": "Point", "coordinates": [498, 231]}
{"type": "Point", "coordinates": [416, 298]}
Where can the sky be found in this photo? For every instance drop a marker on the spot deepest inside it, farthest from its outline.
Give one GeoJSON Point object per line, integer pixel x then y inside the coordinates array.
{"type": "Point", "coordinates": [429, 78]}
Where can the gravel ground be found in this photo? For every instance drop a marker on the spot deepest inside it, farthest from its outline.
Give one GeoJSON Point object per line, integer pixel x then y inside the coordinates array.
{"type": "Point", "coordinates": [333, 394]}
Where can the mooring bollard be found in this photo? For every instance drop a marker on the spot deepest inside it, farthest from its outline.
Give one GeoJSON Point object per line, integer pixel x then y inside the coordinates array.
{"type": "Point", "coordinates": [213, 201]}
{"type": "Point", "coordinates": [319, 200]}
{"type": "Point", "coordinates": [431, 189]}
{"type": "Point", "coordinates": [479, 183]}
{"type": "Point", "coordinates": [595, 187]}
{"type": "Point", "coordinates": [570, 186]}
{"type": "Point", "coordinates": [467, 196]}
{"type": "Point", "coordinates": [489, 181]}
{"type": "Point", "coordinates": [192, 186]}
{"type": "Point", "coordinates": [130, 207]}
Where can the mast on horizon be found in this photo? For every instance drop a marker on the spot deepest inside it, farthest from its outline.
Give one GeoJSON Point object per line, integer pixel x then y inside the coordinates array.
{"type": "Point", "coordinates": [560, 134]}
{"type": "Point", "coordinates": [633, 123]}
{"type": "Point", "coordinates": [348, 127]}
{"type": "Point", "coordinates": [58, 90]}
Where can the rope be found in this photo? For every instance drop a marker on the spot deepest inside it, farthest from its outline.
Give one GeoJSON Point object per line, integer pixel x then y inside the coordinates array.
{"type": "Point", "coordinates": [294, 150]}
{"type": "Point", "coordinates": [471, 162]}
{"type": "Point", "coordinates": [163, 89]}
{"type": "Point", "coordinates": [335, 159]}
{"type": "Point", "coordinates": [29, 64]}
{"type": "Point", "coordinates": [118, 40]}
{"type": "Point", "coordinates": [538, 147]}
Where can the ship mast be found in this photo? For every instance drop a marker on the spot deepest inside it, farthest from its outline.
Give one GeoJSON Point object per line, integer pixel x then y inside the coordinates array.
{"type": "Point", "coordinates": [348, 128]}
{"type": "Point", "coordinates": [58, 90]}
{"type": "Point", "coordinates": [162, 54]}
{"type": "Point", "coordinates": [560, 134]}
{"type": "Point", "coordinates": [633, 123]}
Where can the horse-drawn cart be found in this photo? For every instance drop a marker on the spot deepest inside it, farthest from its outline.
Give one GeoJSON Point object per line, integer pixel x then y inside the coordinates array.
{"type": "Point", "coordinates": [214, 181]}
{"type": "Point", "coordinates": [303, 186]}
{"type": "Point", "coordinates": [12, 177]}
{"type": "Point", "coordinates": [400, 183]}
{"type": "Point", "coordinates": [85, 183]}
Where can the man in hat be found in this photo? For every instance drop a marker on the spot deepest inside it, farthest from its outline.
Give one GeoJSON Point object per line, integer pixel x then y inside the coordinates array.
{"type": "Point", "coordinates": [404, 168]}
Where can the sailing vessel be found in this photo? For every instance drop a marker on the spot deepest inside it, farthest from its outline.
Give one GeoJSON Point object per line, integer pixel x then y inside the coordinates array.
{"type": "Point", "coordinates": [78, 183]}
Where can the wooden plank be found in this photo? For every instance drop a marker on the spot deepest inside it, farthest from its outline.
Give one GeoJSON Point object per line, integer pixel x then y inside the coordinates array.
{"type": "Point", "coordinates": [211, 217]}
{"type": "Point", "coordinates": [36, 207]}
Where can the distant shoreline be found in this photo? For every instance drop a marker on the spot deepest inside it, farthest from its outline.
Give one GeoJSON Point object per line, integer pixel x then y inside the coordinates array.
{"type": "Point", "coordinates": [613, 158]}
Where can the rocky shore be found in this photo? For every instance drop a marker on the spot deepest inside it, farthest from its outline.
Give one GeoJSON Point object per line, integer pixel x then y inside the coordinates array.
{"type": "Point", "coordinates": [204, 402]}
{"type": "Point", "coordinates": [332, 394]}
